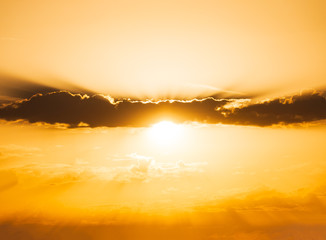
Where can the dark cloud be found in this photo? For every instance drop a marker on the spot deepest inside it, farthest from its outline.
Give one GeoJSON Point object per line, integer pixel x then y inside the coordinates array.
{"type": "Point", "coordinates": [72, 109]}
{"type": "Point", "coordinates": [296, 109]}
{"type": "Point", "coordinates": [98, 110]}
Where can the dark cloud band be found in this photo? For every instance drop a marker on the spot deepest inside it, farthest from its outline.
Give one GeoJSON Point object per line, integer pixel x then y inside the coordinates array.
{"type": "Point", "coordinates": [296, 109]}
{"type": "Point", "coordinates": [98, 110]}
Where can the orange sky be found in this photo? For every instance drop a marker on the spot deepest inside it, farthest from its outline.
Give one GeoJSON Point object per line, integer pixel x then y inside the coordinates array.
{"type": "Point", "coordinates": [175, 48]}
{"type": "Point", "coordinates": [268, 182]}
{"type": "Point", "coordinates": [234, 151]}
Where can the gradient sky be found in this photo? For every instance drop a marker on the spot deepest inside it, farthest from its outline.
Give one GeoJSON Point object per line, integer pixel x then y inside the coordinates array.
{"type": "Point", "coordinates": [150, 48]}
{"type": "Point", "coordinates": [162, 120]}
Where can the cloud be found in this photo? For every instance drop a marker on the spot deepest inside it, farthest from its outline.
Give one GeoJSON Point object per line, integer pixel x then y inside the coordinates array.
{"type": "Point", "coordinates": [84, 201]}
{"type": "Point", "coordinates": [263, 214]}
{"type": "Point", "coordinates": [11, 153]}
{"type": "Point", "coordinates": [145, 168]}
{"type": "Point", "coordinates": [295, 109]}
{"type": "Point", "coordinates": [98, 110]}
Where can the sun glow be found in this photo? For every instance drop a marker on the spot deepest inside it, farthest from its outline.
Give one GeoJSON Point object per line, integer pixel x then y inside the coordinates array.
{"type": "Point", "coordinates": [166, 133]}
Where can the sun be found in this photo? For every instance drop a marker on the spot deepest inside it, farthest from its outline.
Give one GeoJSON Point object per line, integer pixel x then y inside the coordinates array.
{"type": "Point", "coordinates": [166, 133]}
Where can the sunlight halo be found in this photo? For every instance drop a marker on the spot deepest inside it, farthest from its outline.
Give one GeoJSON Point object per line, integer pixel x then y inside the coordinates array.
{"type": "Point", "coordinates": [166, 133]}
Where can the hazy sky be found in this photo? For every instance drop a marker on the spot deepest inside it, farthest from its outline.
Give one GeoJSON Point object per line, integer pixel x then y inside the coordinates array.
{"type": "Point", "coordinates": [175, 48]}
{"type": "Point", "coordinates": [162, 120]}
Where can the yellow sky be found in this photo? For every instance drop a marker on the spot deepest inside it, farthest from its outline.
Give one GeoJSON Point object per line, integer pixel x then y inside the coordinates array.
{"type": "Point", "coordinates": [230, 167]}
{"type": "Point", "coordinates": [138, 170]}
{"type": "Point", "coordinates": [213, 177]}
{"type": "Point", "coordinates": [174, 48]}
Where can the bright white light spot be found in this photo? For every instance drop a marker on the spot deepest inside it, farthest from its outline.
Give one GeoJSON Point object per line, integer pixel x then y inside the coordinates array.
{"type": "Point", "coordinates": [166, 133]}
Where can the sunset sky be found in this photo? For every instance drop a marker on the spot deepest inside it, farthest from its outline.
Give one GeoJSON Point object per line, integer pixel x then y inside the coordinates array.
{"type": "Point", "coordinates": [133, 119]}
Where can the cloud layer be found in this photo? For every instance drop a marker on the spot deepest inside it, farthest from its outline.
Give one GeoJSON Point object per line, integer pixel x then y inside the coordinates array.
{"type": "Point", "coordinates": [98, 110]}
{"type": "Point", "coordinates": [295, 109]}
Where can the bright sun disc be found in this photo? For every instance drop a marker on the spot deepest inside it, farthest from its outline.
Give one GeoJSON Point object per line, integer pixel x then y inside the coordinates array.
{"type": "Point", "coordinates": [166, 133]}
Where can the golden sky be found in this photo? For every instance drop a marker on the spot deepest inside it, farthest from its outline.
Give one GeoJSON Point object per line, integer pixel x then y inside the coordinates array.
{"type": "Point", "coordinates": [162, 120]}
{"type": "Point", "coordinates": [150, 48]}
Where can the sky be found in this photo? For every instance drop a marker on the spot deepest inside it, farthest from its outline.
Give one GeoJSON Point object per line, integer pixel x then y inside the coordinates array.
{"type": "Point", "coordinates": [159, 48]}
{"type": "Point", "coordinates": [162, 119]}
